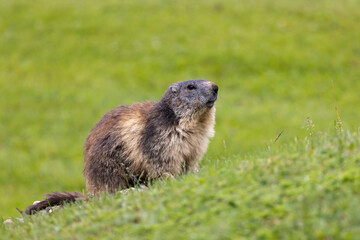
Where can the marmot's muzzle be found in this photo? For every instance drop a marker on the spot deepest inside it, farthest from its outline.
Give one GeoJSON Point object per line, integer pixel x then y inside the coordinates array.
{"type": "Point", "coordinates": [212, 99]}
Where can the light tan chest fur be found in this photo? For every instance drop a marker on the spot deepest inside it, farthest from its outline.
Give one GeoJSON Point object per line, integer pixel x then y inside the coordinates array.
{"type": "Point", "coordinates": [182, 146]}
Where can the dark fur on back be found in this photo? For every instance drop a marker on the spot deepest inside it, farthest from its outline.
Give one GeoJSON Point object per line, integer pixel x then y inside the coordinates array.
{"type": "Point", "coordinates": [55, 199]}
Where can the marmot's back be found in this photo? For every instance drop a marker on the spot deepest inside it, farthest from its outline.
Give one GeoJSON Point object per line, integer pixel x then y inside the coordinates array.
{"type": "Point", "coordinates": [112, 148]}
{"type": "Point", "coordinates": [134, 144]}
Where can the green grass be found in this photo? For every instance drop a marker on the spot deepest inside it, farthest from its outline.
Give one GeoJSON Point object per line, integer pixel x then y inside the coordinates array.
{"type": "Point", "coordinates": [65, 63]}
{"type": "Point", "coordinates": [308, 189]}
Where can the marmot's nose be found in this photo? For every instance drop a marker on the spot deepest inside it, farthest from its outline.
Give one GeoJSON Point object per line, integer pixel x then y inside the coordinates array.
{"type": "Point", "coordinates": [215, 88]}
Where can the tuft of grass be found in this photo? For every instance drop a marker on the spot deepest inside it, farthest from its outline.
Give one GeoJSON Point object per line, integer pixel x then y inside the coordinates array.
{"type": "Point", "coordinates": [338, 124]}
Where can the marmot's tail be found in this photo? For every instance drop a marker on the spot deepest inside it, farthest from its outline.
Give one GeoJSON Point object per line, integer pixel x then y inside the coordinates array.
{"type": "Point", "coordinates": [55, 199]}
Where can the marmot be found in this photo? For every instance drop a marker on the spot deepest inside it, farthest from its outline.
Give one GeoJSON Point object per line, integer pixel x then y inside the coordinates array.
{"type": "Point", "coordinates": [146, 141]}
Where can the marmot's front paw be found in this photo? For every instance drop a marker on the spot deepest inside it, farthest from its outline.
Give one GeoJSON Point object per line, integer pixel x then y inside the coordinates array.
{"type": "Point", "coordinates": [167, 176]}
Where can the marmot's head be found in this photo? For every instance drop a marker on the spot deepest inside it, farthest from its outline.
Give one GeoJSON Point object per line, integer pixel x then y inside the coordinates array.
{"type": "Point", "coordinates": [192, 97]}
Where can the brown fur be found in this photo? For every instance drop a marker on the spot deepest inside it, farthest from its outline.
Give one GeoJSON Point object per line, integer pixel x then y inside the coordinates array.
{"type": "Point", "coordinates": [136, 144]}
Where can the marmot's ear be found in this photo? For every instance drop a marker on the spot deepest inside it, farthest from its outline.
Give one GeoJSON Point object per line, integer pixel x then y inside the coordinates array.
{"type": "Point", "coordinates": [174, 89]}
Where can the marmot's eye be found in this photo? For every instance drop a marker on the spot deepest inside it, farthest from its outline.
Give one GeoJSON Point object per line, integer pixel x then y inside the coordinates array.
{"type": "Point", "coordinates": [191, 87]}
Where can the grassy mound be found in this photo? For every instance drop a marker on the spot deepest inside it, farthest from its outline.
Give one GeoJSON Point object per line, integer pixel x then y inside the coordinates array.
{"type": "Point", "coordinates": [307, 190]}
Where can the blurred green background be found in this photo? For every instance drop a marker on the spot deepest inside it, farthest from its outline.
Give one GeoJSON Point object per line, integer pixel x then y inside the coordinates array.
{"type": "Point", "coordinates": [63, 64]}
